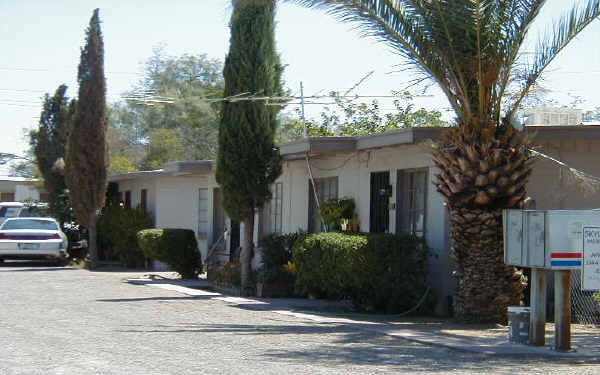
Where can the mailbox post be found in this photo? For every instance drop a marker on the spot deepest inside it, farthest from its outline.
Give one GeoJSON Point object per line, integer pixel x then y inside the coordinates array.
{"type": "Point", "coordinates": [552, 240]}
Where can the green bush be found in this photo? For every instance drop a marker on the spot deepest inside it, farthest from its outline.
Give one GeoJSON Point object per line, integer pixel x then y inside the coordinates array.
{"type": "Point", "coordinates": [378, 272]}
{"type": "Point", "coordinates": [175, 247]}
{"type": "Point", "coordinates": [117, 229]}
{"type": "Point", "coordinates": [276, 250]}
{"type": "Point", "coordinates": [323, 263]}
{"type": "Point", "coordinates": [231, 274]}
{"type": "Point", "coordinates": [336, 209]}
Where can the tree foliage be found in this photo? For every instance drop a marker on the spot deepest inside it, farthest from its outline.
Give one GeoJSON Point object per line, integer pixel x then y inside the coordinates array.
{"type": "Point", "coordinates": [171, 96]}
{"type": "Point", "coordinates": [86, 158]}
{"type": "Point", "coordinates": [48, 143]}
{"type": "Point", "coordinates": [247, 161]}
{"type": "Point", "coordinates": [352, 118]}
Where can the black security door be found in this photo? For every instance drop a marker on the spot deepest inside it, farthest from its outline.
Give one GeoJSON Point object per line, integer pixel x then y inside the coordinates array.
{"type": "Point", "coordinates": [381, 191]}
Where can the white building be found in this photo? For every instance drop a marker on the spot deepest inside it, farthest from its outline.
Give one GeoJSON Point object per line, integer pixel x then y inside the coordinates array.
{"type": "Point", "coordinates": [548, 116]}
{"type": "Point", "coordinates": [19, 189]}
{"type": "Point", "coordinates": [388, 175]}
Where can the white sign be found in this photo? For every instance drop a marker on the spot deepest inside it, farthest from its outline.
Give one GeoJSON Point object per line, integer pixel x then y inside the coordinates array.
{"type": "Point", "coordinates": [590, 270]}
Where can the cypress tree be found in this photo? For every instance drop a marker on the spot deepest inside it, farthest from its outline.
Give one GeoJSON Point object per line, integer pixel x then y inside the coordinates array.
{"type": "Point", "coordinates": [48, 144]}
{"type": "Point", "coordinates": [248, 162]}
{"type": "Point", "coordinates": [86, 157]}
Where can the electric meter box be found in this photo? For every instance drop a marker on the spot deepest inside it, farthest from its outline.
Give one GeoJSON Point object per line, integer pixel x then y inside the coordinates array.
{"type": "Point", "coordinates": [551, 239]}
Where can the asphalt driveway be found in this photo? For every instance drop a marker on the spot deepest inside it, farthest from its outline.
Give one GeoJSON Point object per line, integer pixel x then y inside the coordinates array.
{"type": "Point", "coordinates": [65, 321]}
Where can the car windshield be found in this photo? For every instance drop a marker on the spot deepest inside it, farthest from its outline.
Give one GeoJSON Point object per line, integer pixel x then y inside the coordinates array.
{"type": "Point", "coordinates": [30, 224]}
{"type": "Point", "coordinates": [8, 211]}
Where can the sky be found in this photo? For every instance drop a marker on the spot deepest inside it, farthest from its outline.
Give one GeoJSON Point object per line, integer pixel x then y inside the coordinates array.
{"type": "Point", "coordinates": [41, 43]}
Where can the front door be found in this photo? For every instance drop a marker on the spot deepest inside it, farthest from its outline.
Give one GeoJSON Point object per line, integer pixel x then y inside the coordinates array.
{"type": "Point", "coordinates": [380, 196]}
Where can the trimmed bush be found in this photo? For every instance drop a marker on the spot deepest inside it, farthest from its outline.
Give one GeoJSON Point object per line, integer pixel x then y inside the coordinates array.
{"type": "Point", "coordinates": [175, 247]}
{"type": "Point", "coordinates": [323, 263]}
{"type": "Point", "coordinates": [379, 272]}
{"type": "Point", "coordinates": [117, 230]}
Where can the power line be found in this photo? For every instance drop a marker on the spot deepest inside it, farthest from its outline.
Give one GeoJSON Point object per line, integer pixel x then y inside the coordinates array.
{"type": "Point", "coordinates": [19, 69]}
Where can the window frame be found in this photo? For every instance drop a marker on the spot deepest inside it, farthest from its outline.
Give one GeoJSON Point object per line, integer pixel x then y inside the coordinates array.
{"type": "Point", "coordinates": [312, 205]}
{"type": "Point", "coordinates": [405, 214]}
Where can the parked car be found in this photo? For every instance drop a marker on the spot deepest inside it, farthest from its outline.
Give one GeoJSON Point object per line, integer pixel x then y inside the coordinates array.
{"type": "Point", "coordinates": [20, 209]}
{"type": "Point", "coordinates": [33, 238]}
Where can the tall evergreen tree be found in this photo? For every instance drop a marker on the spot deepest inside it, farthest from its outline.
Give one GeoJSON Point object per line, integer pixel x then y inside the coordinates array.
{"type": "Point", "coordinates": [86, 158]}
{"type": "Point", "coordinates": [248, 162]}
{"type": "Point", "coordinates": [48, 144]}
{"type": "Point", "coordinates": [473, 50]}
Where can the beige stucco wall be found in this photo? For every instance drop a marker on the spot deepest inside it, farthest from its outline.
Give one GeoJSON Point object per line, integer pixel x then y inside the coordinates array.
{"type": "Point", "coordinates": [553, 188]}
{"type": "Point", "coordinates": [136, 186]}
{"type": "Point", "coordinates": [22, 190]}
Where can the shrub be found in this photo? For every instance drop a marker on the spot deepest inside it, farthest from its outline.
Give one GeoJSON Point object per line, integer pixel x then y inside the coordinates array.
{"type": "Point", "coordinates": [336, 209]}
{"type": "Point", "coordinates": [117, 230]}
{"type": "Point", "coordinates": [378, 272]}
{"type": "Point", "coordinates": [390, 273]}
{"type": "Point", "coordinates": [175, 247]}
{"type": "Point", "coordinates": [277, 265]}
{"type": "Point", "coordinates": [323, 266]}
{"type": "Point", "coordinates": [231, 274]}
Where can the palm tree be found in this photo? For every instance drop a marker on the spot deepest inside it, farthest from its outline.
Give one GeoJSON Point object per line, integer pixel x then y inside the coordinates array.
{"type": "Point", "coordinates": [473, 50]}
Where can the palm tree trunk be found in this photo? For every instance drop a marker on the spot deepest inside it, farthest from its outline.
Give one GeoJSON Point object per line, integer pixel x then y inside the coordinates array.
{"type": "Point", "coordinates": [486, 286]}
{"type": "Point", "coordinates": [483, 170]}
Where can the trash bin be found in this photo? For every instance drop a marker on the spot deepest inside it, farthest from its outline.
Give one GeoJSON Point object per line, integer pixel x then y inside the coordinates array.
{"type": "Point", "coordinates": [518, 324]}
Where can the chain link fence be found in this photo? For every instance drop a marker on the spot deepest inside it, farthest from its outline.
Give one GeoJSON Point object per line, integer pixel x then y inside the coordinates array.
{"type": "Point", "coordinates": [585, 307]}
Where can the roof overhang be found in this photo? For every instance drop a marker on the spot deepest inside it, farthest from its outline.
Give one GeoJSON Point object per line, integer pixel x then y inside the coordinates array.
{"type": "Point", "coordinates": [329, 145]}
{"type": "Point", "coordinates": [564, 133]}
{"type": "Point", "coordinates": [171, 169]}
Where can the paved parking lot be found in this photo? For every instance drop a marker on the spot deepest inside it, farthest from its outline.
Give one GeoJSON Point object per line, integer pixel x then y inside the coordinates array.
{"type": "Point", "coordinates": [65, 321]}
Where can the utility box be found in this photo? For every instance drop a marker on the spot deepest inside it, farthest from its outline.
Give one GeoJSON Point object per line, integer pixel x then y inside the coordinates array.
{"type": "Point", "coordinates": [551, 239]}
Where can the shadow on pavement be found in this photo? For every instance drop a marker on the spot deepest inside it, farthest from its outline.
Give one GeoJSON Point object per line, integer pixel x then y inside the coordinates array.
{"type": "Point", "coordinates": [347, 345]}
{"type": "Point", "coordinates": [30, 266]}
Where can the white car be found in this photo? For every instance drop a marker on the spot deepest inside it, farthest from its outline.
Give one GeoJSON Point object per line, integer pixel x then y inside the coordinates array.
{"type": "Point", "coordinates": [33, 238]}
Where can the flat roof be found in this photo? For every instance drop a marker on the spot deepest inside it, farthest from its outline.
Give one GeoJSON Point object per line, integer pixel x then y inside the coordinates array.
{"type": "Point", "coordinates": [17, 179]}
{"type": "Point", "coordinates": [171, 169]}
{"type": "Point", "coordinates": [332, 145]}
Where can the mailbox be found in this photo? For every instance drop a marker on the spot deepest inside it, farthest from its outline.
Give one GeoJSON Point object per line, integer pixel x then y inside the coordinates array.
{"type": "Point", "coordinates": [551, 239]}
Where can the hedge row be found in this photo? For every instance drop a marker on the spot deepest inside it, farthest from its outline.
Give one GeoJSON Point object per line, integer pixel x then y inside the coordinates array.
{"type": "Point", "coordinates": [378, 272]}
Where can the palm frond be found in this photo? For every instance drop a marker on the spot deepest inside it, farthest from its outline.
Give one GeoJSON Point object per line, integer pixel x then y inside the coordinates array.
{"type": "Point", "coordinates": [563, 32]}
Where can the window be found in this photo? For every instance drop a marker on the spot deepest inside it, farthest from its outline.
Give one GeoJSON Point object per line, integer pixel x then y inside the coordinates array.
{"type": "Point", "coordinates": [128, 199]}
{"type": "Point", "coordinates": [276, 209]}
{"type": "Point", "coordinates": [327, 188]}
{"type": "Point", "coordinates": [9, 211]}
{"type": "Point", "coordinates": [30, 224]}
{"type": "Point", "coordinates": [412, 199]}
{"type": "Point", "coordinates": [202, 212]}
{"type": "Point", "coordinates": [7, 197]}
{"type": "Point", "coordinates": [144, 200]}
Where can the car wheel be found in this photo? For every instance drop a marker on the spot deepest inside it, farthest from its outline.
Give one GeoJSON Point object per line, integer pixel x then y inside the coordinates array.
{"type": "Point", "coordinates": [61, 262]}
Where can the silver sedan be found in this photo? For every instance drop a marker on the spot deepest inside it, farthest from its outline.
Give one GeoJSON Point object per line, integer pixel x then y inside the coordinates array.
{"type": "Point", "coordinates": [33, 238]}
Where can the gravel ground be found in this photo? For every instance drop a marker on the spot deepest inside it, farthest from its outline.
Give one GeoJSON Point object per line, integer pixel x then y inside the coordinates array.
{"type": "Point", "coordinates": [66, 321]}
